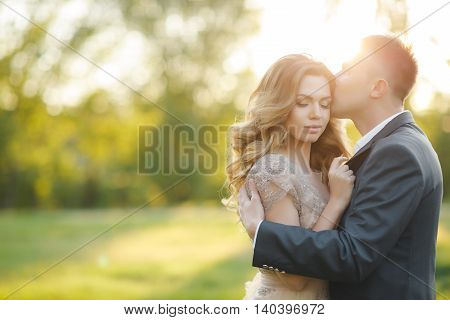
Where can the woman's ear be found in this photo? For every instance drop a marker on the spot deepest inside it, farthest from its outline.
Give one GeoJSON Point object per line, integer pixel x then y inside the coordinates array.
{"type": "Point", "coordinates": [379, 89]}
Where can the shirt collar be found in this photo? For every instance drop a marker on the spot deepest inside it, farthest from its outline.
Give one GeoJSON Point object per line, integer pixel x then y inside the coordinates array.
{"type": "Point", "coordinates": [369, 135]}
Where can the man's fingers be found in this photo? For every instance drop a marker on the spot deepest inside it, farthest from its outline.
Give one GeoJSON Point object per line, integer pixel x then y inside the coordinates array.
{"type": "Point", "coordinates": [242, 195]}
{"type": "Point", "coordinates": [253, 189]}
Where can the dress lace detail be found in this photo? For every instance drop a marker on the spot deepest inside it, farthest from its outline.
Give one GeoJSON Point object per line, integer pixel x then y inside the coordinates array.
{"type": "Point", "coordinates": [276, 176]}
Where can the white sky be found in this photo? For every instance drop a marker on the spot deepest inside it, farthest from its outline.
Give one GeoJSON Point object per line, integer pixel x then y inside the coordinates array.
{"type": "Point", "coordinates": [301, 26]}
{"type": "Point", "coordinates": [286, 26]}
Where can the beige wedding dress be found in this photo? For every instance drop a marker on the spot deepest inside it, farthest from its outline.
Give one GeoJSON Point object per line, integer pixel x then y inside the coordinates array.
{"type": "Point", "coordinates": [276, 175]}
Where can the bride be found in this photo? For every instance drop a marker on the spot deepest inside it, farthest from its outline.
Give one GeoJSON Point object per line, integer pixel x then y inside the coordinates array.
{"type": "Point", "coordinates": [291, 152]}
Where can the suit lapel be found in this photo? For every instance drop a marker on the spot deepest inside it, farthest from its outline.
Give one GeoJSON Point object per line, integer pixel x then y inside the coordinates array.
{"type": "Point", "coordinates": [401, 120]}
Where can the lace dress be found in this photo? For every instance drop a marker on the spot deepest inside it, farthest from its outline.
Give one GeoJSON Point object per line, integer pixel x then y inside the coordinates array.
{"type": "Point", "coordinates": [276, 175]}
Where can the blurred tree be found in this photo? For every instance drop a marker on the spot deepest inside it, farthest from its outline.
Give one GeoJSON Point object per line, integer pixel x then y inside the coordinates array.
{"type": "Point", "coordinates": [68, 131]}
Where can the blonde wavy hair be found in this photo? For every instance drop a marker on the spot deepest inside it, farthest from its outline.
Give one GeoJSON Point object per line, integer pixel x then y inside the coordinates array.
{"type": "Point", "coordinates": [263, 129]}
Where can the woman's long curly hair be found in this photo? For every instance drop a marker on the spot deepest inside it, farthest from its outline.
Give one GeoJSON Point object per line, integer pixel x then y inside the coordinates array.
{"type": "Point", "coordinates": [263, 130]}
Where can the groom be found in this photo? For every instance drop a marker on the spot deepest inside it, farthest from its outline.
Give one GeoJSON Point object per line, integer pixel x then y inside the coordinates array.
{"type": "Point", "coordinates": [385, 245]}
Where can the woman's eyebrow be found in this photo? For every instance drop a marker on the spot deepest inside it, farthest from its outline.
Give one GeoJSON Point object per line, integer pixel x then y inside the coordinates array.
{"type": "Point", "coordinates": [310, 97]}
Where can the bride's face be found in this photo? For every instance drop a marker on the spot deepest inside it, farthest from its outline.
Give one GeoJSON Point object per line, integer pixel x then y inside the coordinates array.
{"type": "Point", "coordinates": [310, 115]}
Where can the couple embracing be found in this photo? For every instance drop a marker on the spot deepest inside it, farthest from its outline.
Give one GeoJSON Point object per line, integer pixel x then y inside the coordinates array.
{"type": "Point", "coordinates": [327, 223]}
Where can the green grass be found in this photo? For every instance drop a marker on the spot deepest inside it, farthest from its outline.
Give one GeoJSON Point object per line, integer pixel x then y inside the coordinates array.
{"type": "Point", "coordinates": [443, 254]}
{"type": "Point", "coordinates": [160, 253]}
{"type": "Point", "coordinates": [180, 253]}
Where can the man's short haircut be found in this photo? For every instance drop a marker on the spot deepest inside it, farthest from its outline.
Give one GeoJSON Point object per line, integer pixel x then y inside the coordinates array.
{"type": "Point", "coordinates": [397, 57]}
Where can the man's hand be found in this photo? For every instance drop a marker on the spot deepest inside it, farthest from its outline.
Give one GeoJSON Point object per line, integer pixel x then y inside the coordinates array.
{"type": "Point", "coordinates": [251, 209]}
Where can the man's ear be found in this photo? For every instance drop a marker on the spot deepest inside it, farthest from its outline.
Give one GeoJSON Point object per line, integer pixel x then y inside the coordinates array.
{"type": "Point", "coordinates": [379, 88]}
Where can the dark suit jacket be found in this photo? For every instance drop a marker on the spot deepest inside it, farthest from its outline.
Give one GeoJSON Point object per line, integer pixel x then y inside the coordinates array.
{"type": "Point", "coordinates": [386, 243]}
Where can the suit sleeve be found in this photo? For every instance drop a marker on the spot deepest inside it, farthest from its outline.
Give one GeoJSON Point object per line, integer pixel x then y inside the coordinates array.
{"type": "Point", "coordinates": [388, 193]}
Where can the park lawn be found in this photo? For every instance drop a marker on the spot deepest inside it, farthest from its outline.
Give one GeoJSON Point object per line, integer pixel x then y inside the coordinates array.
{"type": "Point", "coordinates": [443, 254]}
{"type": "Point", "coordinates": [161, 253]}
{"type": "Point", "coordinates": [183, 252]}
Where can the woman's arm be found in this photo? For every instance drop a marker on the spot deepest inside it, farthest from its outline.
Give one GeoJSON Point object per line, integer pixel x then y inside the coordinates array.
{"type": "Point", "coordinates": [330, 215]}
{"type": "Point", "coordinates": [283, 211]}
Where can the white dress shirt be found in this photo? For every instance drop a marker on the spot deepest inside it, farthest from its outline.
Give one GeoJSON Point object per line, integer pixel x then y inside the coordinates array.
{"type": "Point", "coordinates": [359, 144]}
{"type": "Point", "coordinates": [369, 135]}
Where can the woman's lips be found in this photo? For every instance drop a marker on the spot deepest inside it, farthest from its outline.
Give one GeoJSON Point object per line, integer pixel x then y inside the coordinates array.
{"type": "Point", "coordinates": [313, 129]}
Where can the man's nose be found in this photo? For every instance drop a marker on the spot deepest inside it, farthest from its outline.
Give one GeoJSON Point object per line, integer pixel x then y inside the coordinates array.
{"type": "Point", "coordinates": [339, 75]}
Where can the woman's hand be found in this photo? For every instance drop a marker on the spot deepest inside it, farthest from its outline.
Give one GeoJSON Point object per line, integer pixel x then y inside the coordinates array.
{"type": "Point", "coordinates": [341, 181]}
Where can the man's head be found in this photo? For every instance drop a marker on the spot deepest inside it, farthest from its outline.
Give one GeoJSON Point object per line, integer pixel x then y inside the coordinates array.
{"type": "Point", "coordinates": [381, 75]}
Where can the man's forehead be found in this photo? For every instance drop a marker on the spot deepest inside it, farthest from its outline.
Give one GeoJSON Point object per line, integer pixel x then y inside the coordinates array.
{"type": "Point", "coordinates": [358, 61]}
